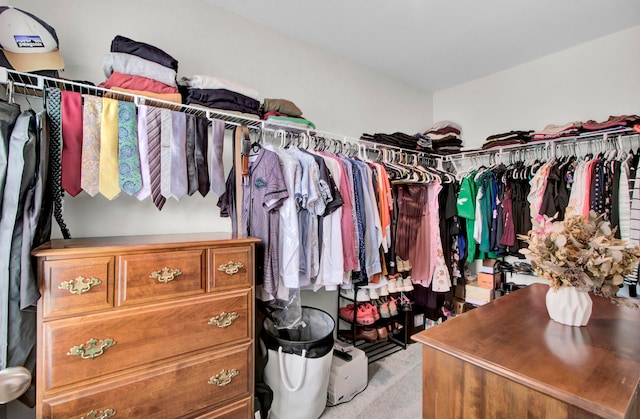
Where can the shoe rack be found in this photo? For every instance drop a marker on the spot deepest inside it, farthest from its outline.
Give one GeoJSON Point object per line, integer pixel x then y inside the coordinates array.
{"type": "Point", "coordinates": [373, 318]}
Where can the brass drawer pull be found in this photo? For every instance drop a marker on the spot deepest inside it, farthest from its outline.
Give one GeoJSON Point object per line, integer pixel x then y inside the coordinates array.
{"type": "Point", "coordinates": [231, 267]}
{"type": "Point", "coordinates": [165, 274]}
{"type": "Point", "coordinates": [92, 349]}
{"type": "Point", "coordinates": [223, 319]}
{"type": "Point", "coordinates": [99, 414]}
{"type": "Point", "coordinates": [224, 377]}
{"type": "Point", "coordinates": [80, 285]}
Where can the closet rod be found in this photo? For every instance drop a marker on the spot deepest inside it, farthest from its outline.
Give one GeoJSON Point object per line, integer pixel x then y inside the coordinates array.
{"type": "Point", "coordinates": [28, 84]}
{"type": "Point", "coordinates": [545, 144]}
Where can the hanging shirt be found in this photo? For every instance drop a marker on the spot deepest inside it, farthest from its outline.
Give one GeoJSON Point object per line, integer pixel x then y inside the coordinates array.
{"type": "Point", "coordinates": [289, 233]}
{"type": "Point", "coordinates": [466, 206]}
{"type": "Point", "coordinates": [262, 197]}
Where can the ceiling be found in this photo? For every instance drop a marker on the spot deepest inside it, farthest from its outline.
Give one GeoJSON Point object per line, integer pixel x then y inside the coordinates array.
{"type": "Point", "coordinates": [437, 44]}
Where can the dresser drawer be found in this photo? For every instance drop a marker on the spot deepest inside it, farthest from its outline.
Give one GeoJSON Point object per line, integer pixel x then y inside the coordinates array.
{"type": "Point", "coordinates": [230, 268]}
{"type": "Point", "coordinates": [176, 390]}
{"type": "Point", "coordinates": [74, 286]}
{"type": "Point", "coordinates": [142, 335]}
{"type": "Point", "coordinates": [237, 410]}
{"type": "Point", "coordinates": [159, 276]}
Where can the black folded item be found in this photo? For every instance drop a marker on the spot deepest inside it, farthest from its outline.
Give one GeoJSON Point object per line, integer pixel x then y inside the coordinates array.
{"type": "Point", "coordinates": [397, 139]}
{"type": "Point", "coordinates": [142, 50]}
{"type": "Point", "coordinates": [212, 98]}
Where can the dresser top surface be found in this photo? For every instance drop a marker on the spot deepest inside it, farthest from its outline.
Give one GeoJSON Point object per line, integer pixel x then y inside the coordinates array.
{"type": "Point", "coordinates": [147, 242]}
{"type": "Point", "coordinates": [596, 366]}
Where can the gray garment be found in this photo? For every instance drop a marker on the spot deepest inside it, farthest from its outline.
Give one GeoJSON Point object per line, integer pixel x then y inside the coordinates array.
{"type": "Point", "coordinates": [216, 166]}
{"type": "Point", "coordinates": [18, 328]}
{"type": "Point", "coordinates": [135, 66]}
{"type": "Point", "coordinates": [8, 114]}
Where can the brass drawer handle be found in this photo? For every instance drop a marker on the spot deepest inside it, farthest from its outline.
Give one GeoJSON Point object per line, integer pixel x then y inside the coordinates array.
{"type": "Point", "coordinates": [99, 414]}
{"type": "Point", "coordinates": [165, 274]}
{"type": "Point", "coordinates": [92, 349]}
{"type": "Point", "coordinates": [231, 267]}
{"type": "Point", "coordinates": [80, 285]}
{"type": "Point", "coordinates": [223, 319]}
{"type": "Point", "coordinates": [224, 377]}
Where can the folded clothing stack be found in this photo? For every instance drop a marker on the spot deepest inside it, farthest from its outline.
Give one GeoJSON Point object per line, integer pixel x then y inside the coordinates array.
{"type": "Point", "coordinates": [284, 112]}
{"type": "Point", "coordinates": [141, 69]}
{"type": "Point", "coordinates": [507, 138]}
{"type": "Point", "coordinates": [552, 131]}
{"type": "Point", "coordinates": [219, 93]}
{"type": "Point", "coordinates": [445, 137]}
{"type": "Point", "coordinates": [397, 139]}
{"type": "Point", "coordinates": [613, 123]}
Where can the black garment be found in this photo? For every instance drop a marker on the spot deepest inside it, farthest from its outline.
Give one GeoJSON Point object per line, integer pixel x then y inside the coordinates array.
{"type": "Point", "coordinates": [556, 195]}
{"type": "Point", "coordinates": [8, 116]}
{"type": "Point", "coordinates": [521, 213]}
{"type": "Point", "coordinates": [598, 188]}
{"type": "Point", "coordinates": [142, 50]}
{"type": "Point", "coordinates": [220, 99]}
{"type": "Point", "coordinates": [615, 202]}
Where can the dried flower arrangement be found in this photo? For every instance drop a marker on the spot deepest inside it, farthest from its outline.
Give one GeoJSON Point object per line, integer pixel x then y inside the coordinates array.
{"type": "Point", "coordinates": [582, 252]}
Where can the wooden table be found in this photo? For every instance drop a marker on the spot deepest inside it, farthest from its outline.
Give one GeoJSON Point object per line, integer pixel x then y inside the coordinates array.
{"type": "Point", "coordinates": [508, 359]}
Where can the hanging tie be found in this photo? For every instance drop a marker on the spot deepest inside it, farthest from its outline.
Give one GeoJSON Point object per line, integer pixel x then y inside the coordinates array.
{"type": "Point", "coordinates": [179, 182]}
{"type": "Point", "coordinates": [108, 178]}
{"type": "Point", "coordinates": [216, 168]}
{"type": "Point", "coordinates": [201, 133]}
{"type": "Point", "coordinates": [143, 148]}
{"type": "Point", "coordinates": [55, 155]}
{"type": "Point", "coordinates": [91, 119]}
{"type": "Point", "coordinates": [128, 154]}
{"type": "Point", "coordinates": [71, 142]}
{"type": "Point", "coordinates": [154, 123]}
{"type": "Point", "coordinates": [190, 149]}
{"type": "Point", "coordinates": [165, 152]}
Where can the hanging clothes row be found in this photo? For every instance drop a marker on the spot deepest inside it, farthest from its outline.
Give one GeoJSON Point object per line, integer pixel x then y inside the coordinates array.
{"type": "Point", "coordinates": [25, 222]}
{"type": "Point", "coordinates": [501, 201]}
{"type": "Point", "coordinates": [326, 218]}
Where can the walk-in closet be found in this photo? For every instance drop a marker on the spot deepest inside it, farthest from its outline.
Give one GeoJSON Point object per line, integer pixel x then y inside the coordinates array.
{"type": "Point", "coordinates": [294, 211]}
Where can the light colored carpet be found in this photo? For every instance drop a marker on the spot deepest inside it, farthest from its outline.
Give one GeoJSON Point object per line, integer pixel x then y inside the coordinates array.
{"type": "Point", "coordinates": [394, 389]}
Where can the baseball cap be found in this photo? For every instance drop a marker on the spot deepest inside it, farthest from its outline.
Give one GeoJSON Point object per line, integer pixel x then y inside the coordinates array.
{"type": "Point", "coordinates": [28, 43]}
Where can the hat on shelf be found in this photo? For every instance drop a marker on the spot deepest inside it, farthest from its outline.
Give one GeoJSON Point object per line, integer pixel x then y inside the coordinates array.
{"type": "Point", "coordinates": [27, 43]}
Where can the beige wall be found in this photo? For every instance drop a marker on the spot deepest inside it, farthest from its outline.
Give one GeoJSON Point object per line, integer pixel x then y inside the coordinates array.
{"type": "Point", "coordinates": [590, 81]}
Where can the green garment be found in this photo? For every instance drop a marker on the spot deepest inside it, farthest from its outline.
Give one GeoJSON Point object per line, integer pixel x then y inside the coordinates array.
{"type": "Point", "coordinates": [466, 206]}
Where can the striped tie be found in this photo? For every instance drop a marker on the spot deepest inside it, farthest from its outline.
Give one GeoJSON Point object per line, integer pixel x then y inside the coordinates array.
{"type": "Point", "coordinates": [153, 139]}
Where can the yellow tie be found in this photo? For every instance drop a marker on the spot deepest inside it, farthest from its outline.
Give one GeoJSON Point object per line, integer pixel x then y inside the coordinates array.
{"type": "Point", "coordinates": [108, 175]}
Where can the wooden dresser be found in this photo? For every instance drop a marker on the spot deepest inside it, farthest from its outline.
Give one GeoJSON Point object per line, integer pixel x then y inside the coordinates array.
{"type": "Point", "coordinates": [508, 359]}
{"type": "Point", "coordinates": [158, 326]}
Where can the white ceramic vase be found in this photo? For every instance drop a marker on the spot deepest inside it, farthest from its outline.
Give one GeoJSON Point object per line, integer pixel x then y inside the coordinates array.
{"type": "Point", "coordinates": [569, 305]}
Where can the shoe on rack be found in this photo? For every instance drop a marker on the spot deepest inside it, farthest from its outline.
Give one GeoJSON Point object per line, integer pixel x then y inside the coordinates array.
{"type": "Point", "coordinates": [383, 309]}
{"type": "Point", "coordinates": [361, 315]}
{"type": "Point", "coordinates": [382, 333]}
{"type": "Point", "coordinates": [364, 315]}
{"type": "Point", "coordinates": [393, 308]}
{"type": "Point", "coordinates": [392, 286]}
{"type": "Point", "coordinates": [362, 333]}
{"type": "Point", "coordinates": [407, 284]}
{"type": "Point", "coordinates": [405, 303]}
{"type": "Point", "coordinates": [362, 295]}
{"type": "Point", "coordinates": [383, 290]}
{"type": "Point", "coordinates": [407, 265]}
{"type": "Point", "coordinates": [374, 311]}
{"type": "Point", "coordinates": [373, 293]}
{"type": "Point", "coordinates": [348, 293]}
